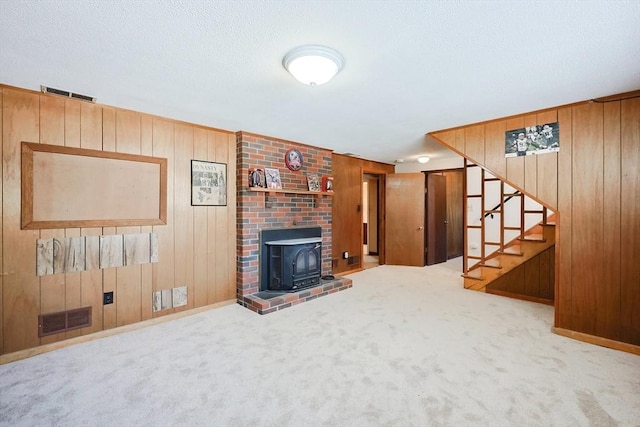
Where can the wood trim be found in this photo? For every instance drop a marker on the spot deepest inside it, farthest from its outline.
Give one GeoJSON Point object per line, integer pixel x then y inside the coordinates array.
{"type": "Point", "coordinates": [620, 96]}
{"type": "Point", "coordinates": [1, 223]}
{"type": "Point", "coordinates": [369, 169]}
{"type": "Point", "coordinates": [23, 354]}
{"type": "Point", "coordinates": [28, 150]}
{"type": "Point", "coordinates": [617, 97]}
{"type": "Point", "coordinates": [382, 211]}
{"type": "Point", "coordinates": [346, 273]}
{"type": "Point", "coordinates": [519, 296]}
{"type": "Point", "coordinates": [27, 185]}
{"type": "Point", "coordinates": [592, 339]}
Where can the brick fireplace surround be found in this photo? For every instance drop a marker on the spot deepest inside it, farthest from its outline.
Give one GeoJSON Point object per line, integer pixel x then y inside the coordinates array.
{"type": "Point", "coordinates": [259, 210]}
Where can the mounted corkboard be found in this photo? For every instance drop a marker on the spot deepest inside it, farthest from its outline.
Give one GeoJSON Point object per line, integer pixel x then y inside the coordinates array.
{"type": "Point", "coordinates": [65, 187]}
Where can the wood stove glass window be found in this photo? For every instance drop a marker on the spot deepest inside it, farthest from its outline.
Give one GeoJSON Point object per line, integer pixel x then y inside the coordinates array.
{"type": "Point", "coordinates": [294, 266]}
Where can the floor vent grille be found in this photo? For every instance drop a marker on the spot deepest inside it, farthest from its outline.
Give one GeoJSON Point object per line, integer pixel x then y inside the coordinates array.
{"type": "Point", "coordinates": [54, 323]}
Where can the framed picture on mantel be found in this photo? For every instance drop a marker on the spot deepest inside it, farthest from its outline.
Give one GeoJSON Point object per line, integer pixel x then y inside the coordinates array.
{"type": "Point", "coordinates": [273, 178]}
{"type": "Point", "coordinates": [314, 182]}
{"type": "Point", "coordinates": [327, 183]}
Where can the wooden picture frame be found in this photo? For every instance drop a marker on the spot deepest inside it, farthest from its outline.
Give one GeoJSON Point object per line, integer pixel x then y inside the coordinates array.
{"type": "Point", "coordinates": [68, 187]}
{"type": "Point", "coordinates": [208, 183]}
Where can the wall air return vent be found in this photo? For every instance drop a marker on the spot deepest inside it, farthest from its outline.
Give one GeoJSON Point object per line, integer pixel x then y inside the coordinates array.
{"type": "Point", "coordinates": [67, 94]}
{"type": "Point", "coordinates": [54, 323]}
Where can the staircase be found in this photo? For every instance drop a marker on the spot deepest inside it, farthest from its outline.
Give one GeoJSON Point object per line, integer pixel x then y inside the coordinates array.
{"type": "Point", "coordinates": [509, 240]}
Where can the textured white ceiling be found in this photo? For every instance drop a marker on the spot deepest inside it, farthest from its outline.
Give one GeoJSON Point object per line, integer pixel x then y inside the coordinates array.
{"type": "Point", "coordinates": [411, 66]}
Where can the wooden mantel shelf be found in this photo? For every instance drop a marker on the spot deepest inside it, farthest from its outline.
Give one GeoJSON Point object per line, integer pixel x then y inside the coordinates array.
{"type": "Point", "coordinates": [284, 190]}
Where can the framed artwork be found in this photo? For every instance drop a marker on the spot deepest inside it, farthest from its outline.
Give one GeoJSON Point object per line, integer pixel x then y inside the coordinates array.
{"type": "Point", "coordinates": [208, 183]}
{"type": "Point", "coordinates": [273, 178]}
{"type": "Point", "coordinates": [314, 182]}
{"type": "Point", "coordinates": [293, 160]}
{"type": "Point", "coordinates": [530, 140]}
{"type": "Point", "coordinates": [257, 178]}
{"type": "Point", "coordinates": [327, 183]}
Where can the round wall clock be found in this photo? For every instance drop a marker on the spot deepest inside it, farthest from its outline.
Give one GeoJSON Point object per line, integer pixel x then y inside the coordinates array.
{"type": "Point", "coordinates": [293, 160]}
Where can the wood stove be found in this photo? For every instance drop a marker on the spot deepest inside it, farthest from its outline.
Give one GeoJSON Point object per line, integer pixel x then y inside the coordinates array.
{"type": "Point", "coordinates": [291, 259]}
{"type": "Point", "coordinates": [294, 264]}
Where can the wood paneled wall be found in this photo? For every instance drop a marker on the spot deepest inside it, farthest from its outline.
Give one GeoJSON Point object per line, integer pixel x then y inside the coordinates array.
{"type": "Point", "coordinates": [593, 183]}
{"type": "Point", "coordinates": [196, 246]}
{"type": "Point", "coordinates": [533, 280]}
{"type": "Point", "coordinates": [346, 228]}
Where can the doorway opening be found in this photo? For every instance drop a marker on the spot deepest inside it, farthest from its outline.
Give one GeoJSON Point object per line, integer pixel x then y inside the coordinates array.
{"type": "Point", "coordinates": [445, 209]}
{"type": "Point", "coordinates": [370, 220]}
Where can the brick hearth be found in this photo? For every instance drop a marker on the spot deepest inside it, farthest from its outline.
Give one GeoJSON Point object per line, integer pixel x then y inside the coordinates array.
{"type": "Point", "coordinates": [259, 210]}
{"type": "Point", "coordinates": [265, 306]}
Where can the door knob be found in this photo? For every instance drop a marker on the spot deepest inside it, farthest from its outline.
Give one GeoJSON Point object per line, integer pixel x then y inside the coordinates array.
{"type": "Point", "coordinates": [420, 228]}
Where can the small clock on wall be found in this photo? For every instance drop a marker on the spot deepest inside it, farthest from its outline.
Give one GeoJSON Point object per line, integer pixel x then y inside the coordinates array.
{"type": "Point", "coordinates": [293, 160]}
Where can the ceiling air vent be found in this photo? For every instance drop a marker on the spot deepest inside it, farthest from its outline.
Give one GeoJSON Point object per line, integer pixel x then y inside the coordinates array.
{"type": "Point", "coordinates": [67, 94]}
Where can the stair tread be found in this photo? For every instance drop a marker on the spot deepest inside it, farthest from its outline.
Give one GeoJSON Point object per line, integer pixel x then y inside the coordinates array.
{"type": "Point", "coordinates": [512, 250]}
{"type": "Point", "coordinates": [475, 274]}
{"type": "Point", "coordinates": [533, 238]}
{"type": "Point", "coordinates": [492, 263]}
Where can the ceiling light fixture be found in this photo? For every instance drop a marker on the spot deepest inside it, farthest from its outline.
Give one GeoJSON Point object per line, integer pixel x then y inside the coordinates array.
{"type": "Point", "coordinates": [313, 64]}
{"type": "Point", "coordinates": [423, 159]}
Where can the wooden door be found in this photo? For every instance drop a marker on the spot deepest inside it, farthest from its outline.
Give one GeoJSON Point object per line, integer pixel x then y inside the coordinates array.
{"type": "Point", "coordinates": [455, 208]}
{"type": "Point", "coordinates": [372, 238]}
{"type": "Point", "coordinates": [436, 218]}
{"type": "Point", "coordinates": [405, 217]}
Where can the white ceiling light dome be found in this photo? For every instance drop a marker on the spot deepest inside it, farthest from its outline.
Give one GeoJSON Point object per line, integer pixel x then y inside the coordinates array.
{"type": "Point", "coordinates": [313, 64]}
{"type": "Point", "coordinates": [423, 159]}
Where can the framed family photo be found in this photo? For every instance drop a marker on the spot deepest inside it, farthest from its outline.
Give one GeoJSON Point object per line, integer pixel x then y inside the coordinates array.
{"type": "Point", "coordinates": [208, 183]}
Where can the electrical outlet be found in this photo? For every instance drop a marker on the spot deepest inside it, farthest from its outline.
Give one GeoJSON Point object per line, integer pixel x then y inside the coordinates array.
{"type": "Point", "coordinates": [107, 298]}
{"type": "Point", "coordinates": [345, 255]}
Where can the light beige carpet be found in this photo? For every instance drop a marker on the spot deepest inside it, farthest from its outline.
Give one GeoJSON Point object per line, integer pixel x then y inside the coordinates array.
{"type": "Point", "coordinates": [404, 347]}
